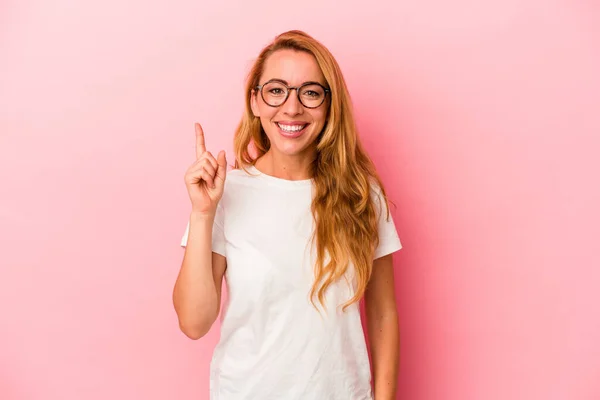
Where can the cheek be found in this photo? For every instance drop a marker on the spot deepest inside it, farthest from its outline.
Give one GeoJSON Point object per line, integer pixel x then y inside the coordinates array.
{"type": "Point", "coordinates": [320, 118]}
{"type": "Point", "coordinates": [266, 113]}
{"type": "Point", "coordinates": [267, 125]}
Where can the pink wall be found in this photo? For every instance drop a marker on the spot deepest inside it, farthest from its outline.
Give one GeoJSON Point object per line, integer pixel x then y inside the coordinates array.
{"type": "Point", "coordinates": [483, 118]}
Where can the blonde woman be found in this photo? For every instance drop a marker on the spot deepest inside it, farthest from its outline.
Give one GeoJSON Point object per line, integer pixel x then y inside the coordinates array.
{"type": "Point", "coordinates": [301, 231]}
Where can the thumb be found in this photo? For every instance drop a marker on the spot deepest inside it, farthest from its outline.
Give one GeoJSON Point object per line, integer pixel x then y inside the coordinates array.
{"type": "Point", "coordinates": [222, 166]}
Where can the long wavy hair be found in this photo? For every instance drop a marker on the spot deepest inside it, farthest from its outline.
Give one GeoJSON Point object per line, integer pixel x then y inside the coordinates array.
{"type": "Point", "coordinates": [343, 206]}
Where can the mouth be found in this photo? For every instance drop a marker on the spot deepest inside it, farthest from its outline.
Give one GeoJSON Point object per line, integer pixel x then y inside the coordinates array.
{"type": "Point", "coordinates": [292, 130]}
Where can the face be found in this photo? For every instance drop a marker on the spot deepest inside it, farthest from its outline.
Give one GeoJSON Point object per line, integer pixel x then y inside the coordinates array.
{"type": "Point", "coordinates": [291, 127]}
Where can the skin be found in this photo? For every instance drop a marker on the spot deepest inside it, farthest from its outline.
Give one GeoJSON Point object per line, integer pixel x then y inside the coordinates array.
{"type": "Point", "coordinates": [382, 327]}
{"type": "Point", "coordinates": [197, 291]}
{"type": "Point", "coordinates": [290, 158]}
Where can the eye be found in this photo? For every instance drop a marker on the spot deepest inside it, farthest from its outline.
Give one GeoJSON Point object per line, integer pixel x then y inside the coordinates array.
{"type": "Point", "coordinates": [312, 92]}
{"type": "Point", "coordinates": [276, 91]}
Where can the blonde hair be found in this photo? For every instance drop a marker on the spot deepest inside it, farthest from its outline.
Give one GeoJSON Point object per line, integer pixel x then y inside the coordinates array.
{"type": "Point", "coordinates": [345, 213]}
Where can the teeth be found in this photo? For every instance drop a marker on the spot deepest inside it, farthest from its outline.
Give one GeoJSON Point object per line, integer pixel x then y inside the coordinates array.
{"type": "Point", "coordinates": [291, 128]}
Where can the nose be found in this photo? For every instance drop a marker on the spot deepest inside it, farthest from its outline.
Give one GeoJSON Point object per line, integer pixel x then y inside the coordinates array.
{"type": "Point", "coordinates": [292, 105]}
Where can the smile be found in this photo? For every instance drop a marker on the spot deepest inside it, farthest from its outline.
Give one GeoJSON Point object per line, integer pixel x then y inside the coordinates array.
{"type": "Point", "coordinates": [291, 130]}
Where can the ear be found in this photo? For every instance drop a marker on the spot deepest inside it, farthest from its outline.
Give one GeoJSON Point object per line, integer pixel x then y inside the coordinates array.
{"type": "Point", "coordinates": [254, 103]}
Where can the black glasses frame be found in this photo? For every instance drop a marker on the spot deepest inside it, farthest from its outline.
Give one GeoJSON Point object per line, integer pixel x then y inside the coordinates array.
{"type": "Point", "coordinates": [289, 89]}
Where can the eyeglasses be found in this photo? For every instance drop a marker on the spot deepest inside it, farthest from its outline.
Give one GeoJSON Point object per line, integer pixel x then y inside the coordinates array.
{"type": "Point", "coordinates": [275, 92]}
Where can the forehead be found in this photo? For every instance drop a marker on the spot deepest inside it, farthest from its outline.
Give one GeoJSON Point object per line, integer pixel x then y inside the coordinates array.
{"type": "Point", "coordinates": [294, 67]}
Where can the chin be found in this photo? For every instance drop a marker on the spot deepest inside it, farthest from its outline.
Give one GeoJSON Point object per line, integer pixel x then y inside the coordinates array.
{"type": "Point", "coordinates": [291, 147]}
{"type": "Point", "coordinates": [289, 150]}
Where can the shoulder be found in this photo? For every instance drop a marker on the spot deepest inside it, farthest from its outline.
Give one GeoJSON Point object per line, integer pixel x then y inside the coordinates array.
{"type": "Point", "coordinates": [380, 200]}
{"type": "Point", "coordinates": [239, 183]}
{"type": "Point", "coordinates": [239, 172]}
{"type": "Point", "coordinates": [238, 176]}
{"type": "Point", "coordinates": [377, 193]}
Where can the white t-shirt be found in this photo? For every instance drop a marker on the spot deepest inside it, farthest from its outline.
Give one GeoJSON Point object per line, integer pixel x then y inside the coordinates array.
{"type": "Point", "coordinates": [274, 345]}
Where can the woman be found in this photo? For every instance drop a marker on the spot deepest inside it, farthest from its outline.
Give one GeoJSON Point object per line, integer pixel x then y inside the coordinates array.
{"type": "Point", "coordinates": [301, 230]}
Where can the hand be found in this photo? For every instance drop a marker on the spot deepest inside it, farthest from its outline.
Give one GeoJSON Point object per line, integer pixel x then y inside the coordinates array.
{"type": "Point", "coordinates": [205, 178]}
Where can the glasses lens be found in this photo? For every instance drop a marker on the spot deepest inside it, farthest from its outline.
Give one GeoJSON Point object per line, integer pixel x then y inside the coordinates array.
{"type": "Point", "coordinates": [274, 93]}
{"type": "Point", "coordinates": [312, 95]}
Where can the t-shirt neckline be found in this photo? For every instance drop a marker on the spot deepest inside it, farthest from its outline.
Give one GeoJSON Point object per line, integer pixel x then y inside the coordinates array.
{"type": "Point", "coordinates": [279, 181]}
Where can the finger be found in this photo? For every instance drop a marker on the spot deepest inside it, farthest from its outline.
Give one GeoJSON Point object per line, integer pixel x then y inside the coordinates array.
{"type": "Point", "coordinates": [195, 168]}
{"type": "Point", "coordinates": [195, 171]}
{"type": "Point", "coordinates": [209, 167]}
{"type": "Point", "coordinates": [222, 168]}
{"type": "Point", "coordinates": [200, 147]}
{"type": "Point", "coordinates": [211, 159]}
{"type": "Point", "coordinates": [208, 178]}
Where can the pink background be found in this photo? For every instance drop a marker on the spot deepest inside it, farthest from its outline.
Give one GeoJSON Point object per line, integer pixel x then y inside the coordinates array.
{"type": "Point", "coordinates": [482, 117]}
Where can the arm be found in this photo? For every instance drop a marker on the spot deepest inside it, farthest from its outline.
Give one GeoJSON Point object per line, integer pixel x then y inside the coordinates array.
{"type": "Point", "coordinates": [382, 325]}
{"type": "Point", "coordinates": [197, 291]}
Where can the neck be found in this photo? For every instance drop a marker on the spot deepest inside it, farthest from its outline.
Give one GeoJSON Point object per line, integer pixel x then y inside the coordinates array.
{"type": "Point", "coordinates": [285, 167]}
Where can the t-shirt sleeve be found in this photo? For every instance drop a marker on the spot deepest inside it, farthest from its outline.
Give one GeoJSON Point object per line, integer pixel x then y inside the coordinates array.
{"type": "Point", "coordinates": [389, 241]}
{"type": "Point", "coordinates": [218, 236]}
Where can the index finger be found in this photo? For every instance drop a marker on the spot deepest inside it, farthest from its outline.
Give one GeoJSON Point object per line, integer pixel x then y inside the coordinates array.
{"type": "Point", "coordinates": [200, 147]}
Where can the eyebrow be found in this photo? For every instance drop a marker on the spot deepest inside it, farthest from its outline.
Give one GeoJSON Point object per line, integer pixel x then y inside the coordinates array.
{"type": "Point", "coordinates": [287, 84]}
